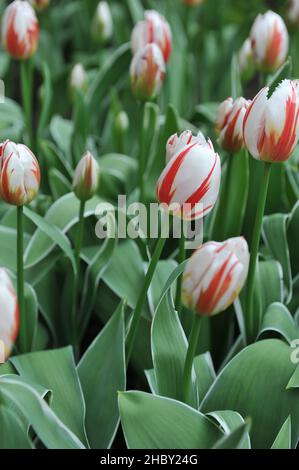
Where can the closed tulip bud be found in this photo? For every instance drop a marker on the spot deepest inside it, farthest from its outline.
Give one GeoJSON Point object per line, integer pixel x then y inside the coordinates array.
{"type": "Point", "coordinates": [40, 5]}
{"type": "Point", "coordinates": [229, 123]}
{"type": "Point", "coordinates": [102, 26]}
{"type": "Point", "coordinates": [9, 313]}
{"type": "Point", "coordinates": [20, 30]}
{"type": "Point", "coordinates": [19, 174]}
{"type": "Point", "coordinates": [86, 177]}
{"type": "Point", "coordinates": [177, 142]}
{"type": "Point", "coordinates": [147, 72]}
{"type": "Point", "coordinates": [215, 275]}
{"type": "Point", "coordinates": [270, 126]}
{"type": "Point", "coordinates": [153, 29]}
{"type": "Point", "coordinates": [246, 60]}
{"type": "Point", "coordinates": [79, 80]}
{"type": "Point", "coordinates": [189, 184]}
{"type": "Point", "coordinates": [270, 41]}
{"type": "Point", "coordinates": [121, 122]}
{"type": "Point", "coordinates": [293, 11]}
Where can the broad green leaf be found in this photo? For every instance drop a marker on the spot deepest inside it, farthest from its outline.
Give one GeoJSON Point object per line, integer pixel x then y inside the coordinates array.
{"type": "Point", "coordinates": [283, 438]}
{"type": "Point", "coordinates": [231, 421]}
{"type": "Point", "coordinates": [259, 371]}
{"type": "Point", "coordinates": [55, 369]}
{"type": "Point", "coordinates": [13, 432]}
{"type": "Point", "coordinates": [294, 380]}
{"type": "Point", "coordinates": [162, 273]}
{"type": "Point", "coordinates": [61, 131]}
{"type": "Point", "coordinates": [207, 111]}
{"type": "Point", "coordinates": [8, 241]}
{"type": "Point", "coordinates": [119, 166]}
{"type": "Point", "coordinates": [58, 183]}
{"type": "Point", "coordinates": [270, 283]}
{"type": "Point", "coordinates": [49, 428]}
{"type": "Point", "coordinates": [31, 308]}
{"type": "Point", "coordinates": [63, 214]}
{"type": "Point", "coordinates": [205, 374]}
{"type": "Point", "coordinates": [153, 422]}
{"type": "Point", "coordinates": [292, 233]}
{"type": "Point", "coordinates": [12, 121]}
{"type": "Point", "coordinates": [151, 379]}
{"type": "Point", "coordinates": [102, 374]}
{"type": "Point", "coordinates": [285, 71]}
{"type": "Point", "coordinates": [278, 318]}
{"type": "Point", "coordinates": [235, 440]}
{"type": "Point", "coordinates": [275, 235]}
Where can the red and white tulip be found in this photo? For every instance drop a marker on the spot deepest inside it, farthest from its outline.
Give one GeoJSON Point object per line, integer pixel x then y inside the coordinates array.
{"type": "Point", "coordinates": [270, 41]}
{"type": "Point", "coordinates": [270, 126]}
{"type": "Point", "coordinates": [19, 174]}
{"type": "Point", "coordinates": [215, 275]}
{"type": "Point", "coordinates": [229, 123]}
{"type": "Point", "coordinates": [153, 29]}
{"type": "Point", "coordinates": [40, 5]}
{"type": "Point", "coordinates": [147, 72]}
{"type": "Point", "coordinates": [20, 30]}
{"type": "Point", "coordinates": [189, 184]}
{"type": "Point", "coordinates": [9, 313]}
{"type": "Point", "coordinates": [86, 177]}
{"type": "Point", "coordinates": [293, 11]}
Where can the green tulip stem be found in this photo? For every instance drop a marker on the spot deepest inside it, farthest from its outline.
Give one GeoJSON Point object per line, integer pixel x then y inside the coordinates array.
{"type": "Point", "coordinates": [20, 279]}
{"type": "Point", "coordinates": [193, 342]}
{"type": "Point", "coordinates": [141, 159]}
{"type": "Point", "coordinates": [181, 259]}
{"type": "Point", "coordinates": [78, 246]}
{"type": "Point", "coordinates": [249, 317]}
{"type": "Point", "coordinates": [26, 89]}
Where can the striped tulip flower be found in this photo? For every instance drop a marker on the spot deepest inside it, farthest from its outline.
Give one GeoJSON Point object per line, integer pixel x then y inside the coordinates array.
{"type": "Point", "coordinates": [270, 126]}
{"type": "Point", "coordinates": [153, 29]}
{"type": "Point", "coordinates": [215, 275]}
{"type": "Point", "coordinates": [176, 142]}
{"type": "Point", "coordinates": [189, 184]}
{"type": "Point", "coordinates": [270, 41]}
{"type": "Point", "coordinates": [293, 11]}
{"type": "Point", "coordinates": [9, 313]}
{"type": "Point", "coordinates": [229, 123]}
{"type": "Point", "coordinates": [86, 177]}
{"type": "Point", "coordinates": [20, 30]}
{"type": "Point", "coordinates": [19, 174]}
{"type": "Point", "coordinates": [40, 5]}
{"type": "Point", "coordinates": [147, 72]}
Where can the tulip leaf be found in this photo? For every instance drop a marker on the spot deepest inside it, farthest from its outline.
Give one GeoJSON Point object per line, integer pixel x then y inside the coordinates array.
{"type": "Point", "coordinates": [55, 370]}
{"type": "Point", "coordinates": [283, 438]}
{"type": "Point", "coordinates": [285, 71]}
{"type": "Point", "coordinates": [13, 431]}
{"type": "Point", "coordinates": [205, 374]}
{"type": "Point", "coordinates": [61, 131]}
{"type": "Point", "coordinates": [271, 283]}
{"type": "Point", "coordinates": [230, 421]}
{"type": "Point", "coordinates": [236, 85]}
{"type": "Point", "coordinates": [151, 379]}
{"type": "Point", "coordinates": [8, 239]}
{"type": "Point", "coordinates": [63, 214]}
{"type": "Point", "coordinates": [294, 380]}
{"type": "Point", "coordinates": [292, 234]}
{"type": "Point", "coordinates": [275, 236]}
{"type": "Point", "coordinates": [278, 318]}
{"type": "Point", "coordinates": [102, 374]}
{"type": "Point", "coordinates": [235, 440]}
{"type": "Point", "coordinates": [58, 183]}
{"type": "Point", "coordinates": [47, 95]}
{"type": "Point", "coordinates": [245, 384]}
{"type": "Point", "coordinates": [153, 422]}
{"type": "Point", "coordinates": [48, 427]}
{"type": "Point", "coordinates": [12, 121]}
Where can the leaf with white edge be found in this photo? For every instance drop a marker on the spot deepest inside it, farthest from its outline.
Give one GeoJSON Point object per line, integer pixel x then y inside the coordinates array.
{"type": "Point", "coordinates": [13, 431]}
{"type": "Point", "coordinates": [235, 440]}
{"type": "Point", "coordinates": [278, 318]}
{"type": "Point", "coordinates": [205, 374]}
{"type": "Point", "coordinates": [151, 380]}
{"type": "Point", "coordinates": [48, 427]}
{"type": "Point", "coordinates": [294, 380]}
{"type": "Point", "coordinates": [102, 374]}
{"type": "Point", "coordinates": [283, 439]}
{"type": "Point", "coordinates": [153, 422]}
{"type": "Point", "coordinates": [230, 421]}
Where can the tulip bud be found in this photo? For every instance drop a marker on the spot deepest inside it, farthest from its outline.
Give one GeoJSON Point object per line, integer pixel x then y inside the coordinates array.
{"type": "Point", "coordinates": [293, 11]}
{"type": "Point", "coordinates": [270, 41]}
{"type": "Point", "coordinates": [229, 123]}
{"type": "Point", "coordinates": [20, 30]}
{"type": "Point", "coordinates": [153, 29]}
{"type": "Point", "coordinates": [121, 122]}
{"type": "Point", "coordinates": [79, 80]}
{"type": "Point", "coordinates": [86, 177]}
{"type": "Point", "coordinates": [9, 313]}
{"type": "Point", "coordinates": [270, 126]}
{"type": "Point", "coordinates": [147, 72]}
{"type": "Point", "coordinates": [102, 26]}
{"type": "Point", "coordinates": [40, 5]}
{"type": "Point", "coordinates": [215, 275]}
{"type": "Point", "coordinates": [189, 184]}
{"type": "Point", "coordinates": [19, 174]}
{"type": "Point", "coordinates": [246, 60]}
{"type": "Point", "coordinates": [176, 143]}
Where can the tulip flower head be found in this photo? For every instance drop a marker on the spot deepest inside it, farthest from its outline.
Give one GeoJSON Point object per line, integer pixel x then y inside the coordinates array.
{"type": "Point", "coordinates": [147, 72]}
{"type": "Point", "coordinates": [86, 177]}
{"type": "Point", "coordinates": [19, 174]}
{"type": "Point", "coordinates": [270, 41]}
{"type": "Point", "coordinates": [9, 313]}
{"type": "Point", "coordinates": [40, 5]}
{"type": "Point", "coordinates": [215, 275]}
{"type": "Point", "coordinates": [79, 80]}
{"type": "Point", "coordinates": [189, 184]}
{"type": "Point", "coordinates": [20, 30]}
{"type": "Point", "coordinates": [270, 126]}
{"type": "Point", "coordinates": [102, 26]}
{"type": "Point", "coordinates": [229, 123]}
{"type": "Point", "coordinates": [153, 29]}
{"type": "Point", "coordinates": [293, 11]}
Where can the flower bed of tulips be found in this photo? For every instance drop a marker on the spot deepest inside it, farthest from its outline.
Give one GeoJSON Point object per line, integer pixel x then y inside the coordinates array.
{"type": "Point", "coordinates": [125, 126]}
